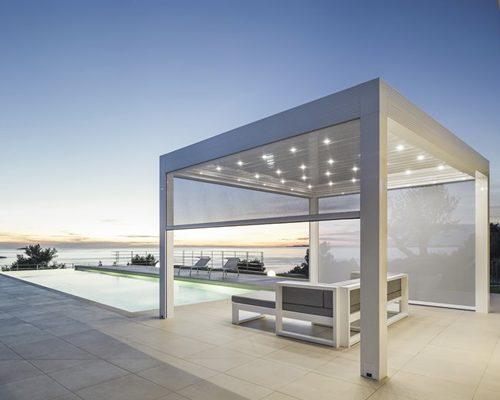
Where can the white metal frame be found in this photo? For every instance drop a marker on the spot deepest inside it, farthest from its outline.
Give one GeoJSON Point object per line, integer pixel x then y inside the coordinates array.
{"type": "Point", "coordinates": [376, 105]}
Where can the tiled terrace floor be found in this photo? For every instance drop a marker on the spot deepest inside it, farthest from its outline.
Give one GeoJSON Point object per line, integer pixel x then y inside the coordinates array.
{"type": "Point", "coordinates": [55, 347]}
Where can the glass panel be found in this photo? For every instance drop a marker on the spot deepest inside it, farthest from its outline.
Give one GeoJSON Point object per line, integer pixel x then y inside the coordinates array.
{"type": "Point", "coordinates": [339, 251]}
{"type": "Point", "coordinates": [278, 247]}
{"type": "Point", "coordinates": [339, 204]}
{"type": "Point", "coordinates": [274, 180]}
{"type": "Point", "coordinates": [200, 202]}
{"type": "Point", "coordinates": [431, 238]}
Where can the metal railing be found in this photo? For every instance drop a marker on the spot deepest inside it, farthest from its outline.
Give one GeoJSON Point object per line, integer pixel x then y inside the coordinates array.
{"type": "Point", "coordinates": [217, 257]}
{"type": "Point", "coordinates": [35, 267]}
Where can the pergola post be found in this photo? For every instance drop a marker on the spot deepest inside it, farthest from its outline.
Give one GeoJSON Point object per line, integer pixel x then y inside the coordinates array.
{"type": "Point", "coordinates": [373, 213]}
{"type": "Point", "coordinates": [313, 242]}
{"type": "Point", "coordinates": [166, 248]}
{"type": "Point", "coordinates": [482, 207]}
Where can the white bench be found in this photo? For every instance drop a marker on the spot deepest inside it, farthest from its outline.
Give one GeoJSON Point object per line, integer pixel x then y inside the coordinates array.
{"type": "Point", "coordinates": [336, 305]}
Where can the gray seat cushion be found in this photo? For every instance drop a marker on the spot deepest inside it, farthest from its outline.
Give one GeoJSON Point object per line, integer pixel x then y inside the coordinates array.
{"type": "Point", "coordinates": [260, 298]}
{"type": "Point", "coordinates": [302, 296]}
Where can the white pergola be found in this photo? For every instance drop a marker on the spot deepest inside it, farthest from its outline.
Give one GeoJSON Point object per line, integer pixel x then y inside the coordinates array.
{"type": "Point", "coordinates": [362, 141]}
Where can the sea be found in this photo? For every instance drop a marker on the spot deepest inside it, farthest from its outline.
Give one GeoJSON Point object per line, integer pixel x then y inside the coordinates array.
{"type": "Point", "coordinates": [279, 259]}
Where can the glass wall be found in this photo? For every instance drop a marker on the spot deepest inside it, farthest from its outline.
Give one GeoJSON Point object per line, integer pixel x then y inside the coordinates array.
{"type": "Point", "coordinates": [202, 202]}
{"type": "Point", "coordinates": [339, 250]}
{"type": "Point", "coordinates": [431, 238]}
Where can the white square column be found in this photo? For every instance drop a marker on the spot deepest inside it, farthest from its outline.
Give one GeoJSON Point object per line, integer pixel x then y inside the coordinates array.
{"type": "Point", "coordinates": [482, 244]}
{"type": "Point", "coordinates": [313, 242]}
{"type": "Point", "coordinates": [166, 248]}
{"type": "Point", "coordinates": [373, 222]}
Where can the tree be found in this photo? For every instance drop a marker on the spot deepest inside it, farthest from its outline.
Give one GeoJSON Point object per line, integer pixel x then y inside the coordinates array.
{"type": "Point", "coordinates": [35, 255]}
{"type": "Point", "coordinates": [417, 214]}
{"type": "Point", "coordinates": [302, 269]}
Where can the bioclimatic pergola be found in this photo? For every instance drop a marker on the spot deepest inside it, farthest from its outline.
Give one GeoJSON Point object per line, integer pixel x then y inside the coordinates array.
{"type": "Point", "coordinates": [331, 159]}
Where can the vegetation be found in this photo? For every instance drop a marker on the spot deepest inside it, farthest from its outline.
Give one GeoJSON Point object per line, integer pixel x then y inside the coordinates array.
{"type": "Point", "coordinates": [495, 254]}
{"type": "Point", "coordinates": [36, 257]}
{"type": "Point", "coordinates": [148, 260]}
{"type": "Point", "coordinates": [302, 269]}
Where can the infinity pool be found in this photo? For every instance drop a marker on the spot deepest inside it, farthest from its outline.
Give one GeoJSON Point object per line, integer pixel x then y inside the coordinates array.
{"type": "Point", "coordinates": [122, 292]}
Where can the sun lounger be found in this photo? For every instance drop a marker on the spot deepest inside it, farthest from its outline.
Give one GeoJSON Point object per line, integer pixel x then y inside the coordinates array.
{"type": "Point", "coordinates": [230, 265]}
{"type": "Point", "coordinates": [201, 263]}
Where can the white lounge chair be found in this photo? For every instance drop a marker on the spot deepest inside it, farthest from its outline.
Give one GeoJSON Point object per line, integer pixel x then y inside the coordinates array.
{"type": "Point", "coordinates": [230, 265]}
{"type": "Point", "coordinates": [201, 263]}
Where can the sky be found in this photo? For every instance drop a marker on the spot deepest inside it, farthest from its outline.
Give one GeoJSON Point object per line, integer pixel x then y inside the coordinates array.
{"type": "Point", "coordinates": [93, 92]}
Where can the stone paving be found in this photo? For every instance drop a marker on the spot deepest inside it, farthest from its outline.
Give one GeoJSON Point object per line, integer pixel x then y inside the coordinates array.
{"type": "Point", "coordinates": [56, 347]}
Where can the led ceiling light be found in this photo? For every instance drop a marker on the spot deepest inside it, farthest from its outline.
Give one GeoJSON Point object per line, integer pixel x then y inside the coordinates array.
{"type": "Point", "coordinates": [240, 163]}
{"type": "Point", "coordinates": [219, 168]}
{"type": "Point", "coordinates": [282, 181]}
{"type": "Point", "coordinates": [408, 172]}
{"type": "Point", "coordinates": [293, 149]}
{"type": "Point", "coordinates": [330, 161]}
{"type": "Point", "coordinates": [420, 157]}
{"type": "Point", "coordinates": [400, 147]}
{"type": "Point", "coordinates": [330, 183]}
{"type": "Point", "coordinates": [441, 167]}
{"type": "Point", "coordinates": [303, 166]}
{"type": "Point", "coordinates": [327, 173]}
{"type": "Point", "coordinates": [309, 186]}
{"type": "Point", "coordinates": [353, 180]}
{"type": "Point", "coordinates": [257, 176]}
{"type": "Point", "coordinates": [278, 172]}
{"type": "Point", "coordinates": [304, 177]}
{"type": "Point", "coordinates": [326, 141]}
{"type": "Point", "coordinates": [355, 169]}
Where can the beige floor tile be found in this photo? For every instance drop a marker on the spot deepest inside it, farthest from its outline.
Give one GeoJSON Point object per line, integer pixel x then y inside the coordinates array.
{"type": "Point", "coordinates": [224, 387]}
{"type": "Point", "coordinates": [267, 373]}
{"type": "Point", "coordinates": [491, 380]}
{"type": "Point", "coordinates": [279, 396]}
{"type": "Point", "coordinates": [301, 357]}
{"type": "Point", "coordinates": [173, 396]}
{"type": "Point", "coordinates": [484, 394]}
{"type": "Point", "coordinates": [130, 387]}
{"type": "Point", "coordinates": [258, 345]}
{"type": "Point", "coordinates": [424, 387]}
{"type": "Point", "coordinates": [383, 394]}
{"type": "Point", "coordinates": [446, 370]}
{"type": "Point", "coordinates": [220, 359]}
{"type": "Point", "coordinates": [348, 370]}
{"type": "Point", "coordinates": [182, 347]}
{"type": "Point", "coordinates": [177, 375]}
{"type": "Point", "coordinates": [319, 387]}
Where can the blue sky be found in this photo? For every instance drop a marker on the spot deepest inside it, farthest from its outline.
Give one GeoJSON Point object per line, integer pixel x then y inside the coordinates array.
{"type": "Point", "coordinates": [92, 92]}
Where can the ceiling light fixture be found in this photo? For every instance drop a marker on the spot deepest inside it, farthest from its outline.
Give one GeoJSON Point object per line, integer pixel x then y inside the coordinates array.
{"type": "Point", "coordinates": [264, 157]}
{"type": "Point", "coordinates": [278, 172]}
{"type": "Point", "coordinates": [257, 176]}
{"type": "Point", "coordinates": [420, 157]}
{"type": "Point", "coordinates": [309, 186]}
{"type": "Point", "coordinates": [303, 166]}
{"type": "Point", "coordinates": [219, 168]}
{"type": "Point", "coordinates": [282, 181]}
{"type": "Point", "coordinates": [400, 147]}
{"type": "Point", "coordinates": [293, 149]}
{"type": "Point", "coordinates": [353, 180]}
{"type": "Point", "coordinates": [240, 163]}
{"type": "Point", "coordinates": [326, 141]}
{"type": "Point", "coordinates": [441, 167]}
{"type": "Point", "coordinates": [327, 173]}
{"type": "Point", "coordinates": [304, 177]}
{"type": "Point", "coordinates": [355, 169]}
{"type": "Point", "coordinates": [330, 161]}
{"type": "Point", "coordinates": [330, 183]}
{"type": "Point", "coordinates": [408, 172]}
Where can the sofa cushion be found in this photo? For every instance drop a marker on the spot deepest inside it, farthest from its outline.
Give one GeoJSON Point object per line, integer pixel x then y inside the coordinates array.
{"type": "Point", "coordinates": [261, 298]}
{"type": "Point", "coordinates": [304, 297]}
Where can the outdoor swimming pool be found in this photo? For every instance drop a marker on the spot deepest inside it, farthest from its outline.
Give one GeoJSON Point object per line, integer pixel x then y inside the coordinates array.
{"type": "Point", "coordinates": [126, 293]}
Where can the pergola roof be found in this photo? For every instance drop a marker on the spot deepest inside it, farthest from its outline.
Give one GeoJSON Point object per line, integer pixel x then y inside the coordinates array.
{"type": "Point", "coordinates": [323, 159]}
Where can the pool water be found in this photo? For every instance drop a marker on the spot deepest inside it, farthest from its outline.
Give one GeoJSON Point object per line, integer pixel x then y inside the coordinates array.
{"type": "Point", "coordinates": [123, 292]}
